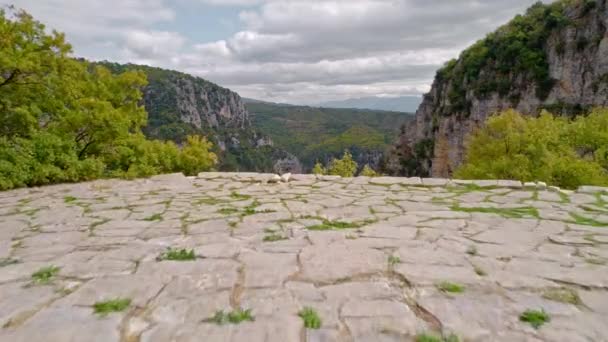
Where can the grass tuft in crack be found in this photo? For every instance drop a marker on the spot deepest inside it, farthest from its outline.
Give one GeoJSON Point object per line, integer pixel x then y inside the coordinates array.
{"type": "Point", "coordinates": [472, 250]}
{"type": "Point", "coordinates": [272, 237]}
{"type": "Point", "coordinates": [393, 260]}
{"type": "Point", "coordinates": [69, 199]}
{"type": "Point", "coordinates": [240, 197]}
{"type": "Point", "coordinates": [177, 255]}
{"type": "Point", "coordinates": [310, 317]}
{"type": "Point", "coordinates": [45, 275]}
{"type": "Point", "coordinates": [332, 225]}
{"type": "Point", "coordinates": [155, 217]}
{"type": "Point", "coordinates": [521, 212]}
{"type": "Point", "coordinates": [562, 295]}
{"type": "Point", "coordinates": [235, 317]}
{"type": "Point", "coordinates": [426, 337]}
{"type": "Point", "coordinates": [586, 221]}
{"type": "Point", "coordinates": [535, 318]}
{"type": "Point", "coordinates": [450, 287]}
{"type": "Point", "coordinates": [113, 305]}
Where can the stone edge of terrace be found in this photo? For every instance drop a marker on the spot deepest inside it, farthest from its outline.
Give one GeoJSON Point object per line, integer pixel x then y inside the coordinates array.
{"type": "Point", "coordinates": [388, 181]}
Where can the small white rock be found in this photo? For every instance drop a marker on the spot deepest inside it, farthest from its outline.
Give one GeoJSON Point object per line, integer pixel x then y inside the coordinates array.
{"type": "Point", "coordinates": [553, 188]}
{"type": "Point", "coordinates": [274, 179]}
{"type": "Point", "coordinates": [285, 178]}
{"type": "Point", "coordinates": [541, 185]}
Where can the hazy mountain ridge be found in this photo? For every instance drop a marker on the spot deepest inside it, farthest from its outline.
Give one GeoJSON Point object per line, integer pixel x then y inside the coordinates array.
{"type": "Point", "coordinates": [407, 104]}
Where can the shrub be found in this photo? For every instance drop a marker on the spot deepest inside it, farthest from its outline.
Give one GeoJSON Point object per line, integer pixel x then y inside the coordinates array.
{"type": "Point", "coordinates": [368, 172]}
{"type": "Point", "coordinates": [551, 149]}
{"type": "Point", "coordinates": [345, 167]}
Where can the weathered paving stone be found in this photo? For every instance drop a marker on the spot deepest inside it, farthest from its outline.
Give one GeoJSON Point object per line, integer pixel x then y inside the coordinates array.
{"type": "Point", "coordinates": [367, 254]}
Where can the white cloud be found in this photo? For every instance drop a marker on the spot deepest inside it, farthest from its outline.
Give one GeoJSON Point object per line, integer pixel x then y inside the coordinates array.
{"type": "Point", "coordinates": [287, 50]}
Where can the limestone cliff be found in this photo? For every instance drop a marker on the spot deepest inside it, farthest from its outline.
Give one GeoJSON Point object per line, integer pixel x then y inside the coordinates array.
{"type": "Point", "coordinates": [179, 105]}
{"type": "Point", "coordinates": [554, 57]}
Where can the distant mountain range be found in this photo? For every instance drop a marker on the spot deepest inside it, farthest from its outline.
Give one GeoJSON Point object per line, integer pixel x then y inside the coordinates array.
{"type": "Point", "coordinates": [408, 104]}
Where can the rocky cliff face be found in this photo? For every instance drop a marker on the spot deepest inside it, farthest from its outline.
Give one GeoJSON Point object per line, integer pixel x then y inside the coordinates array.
{"type": "Point", "coordinates": [195, 101]}
{"type": "Point", "coordinates": [179, 105]}
{"type": "Point", "coordinates": [561, 65]}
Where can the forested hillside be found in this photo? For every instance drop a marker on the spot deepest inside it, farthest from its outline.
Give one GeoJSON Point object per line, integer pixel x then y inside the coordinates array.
{"type": "Point", "coordinates": [320, 134]}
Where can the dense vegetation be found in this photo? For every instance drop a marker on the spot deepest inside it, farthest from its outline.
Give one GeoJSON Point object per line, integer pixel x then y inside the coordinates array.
{"type": "Point", "coordinates": [64, 120]}
{"type": "Point", "coordinates": [508, 59]}
{"type": "Point", "coordinates": [558, 150]}
{"type": "Point", "coordinates": [321, 134]}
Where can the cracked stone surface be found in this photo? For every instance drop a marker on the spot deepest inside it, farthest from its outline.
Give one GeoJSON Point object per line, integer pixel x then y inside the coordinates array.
{"type": "Point", "coordinates": [367, 254]}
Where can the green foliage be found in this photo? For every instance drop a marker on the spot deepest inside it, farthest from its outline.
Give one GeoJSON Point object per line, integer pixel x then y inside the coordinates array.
{"type": "Point", "coordinates": [235, 317]}
{"type": "Point", "coordinates": [450, 287]}
{"type": "Point", "coordinates": [319, 169]}
{"type": "Point", "coordinates": [393, 260]}
{"type": "Point", "coordinates": [65, 120]}
{"type": "Point", "coordinates": [368, 172]}
{"type": "Point", "coordinates": [114, 305]}
{"type": "Point", "coordinates": [345, 167]}
{"type": "Point", "coordinates": [536, 318]}
{"type": "Point", "coordinates": [311, 318]}
{"type": "Point", "coordinates": [562, 152]}
{"type": "Point", "coordinates": [45, 275]}
{"type": "Point", "coordinates": [177, 255]}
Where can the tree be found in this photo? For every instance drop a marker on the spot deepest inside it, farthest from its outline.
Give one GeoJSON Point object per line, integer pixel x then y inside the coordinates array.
{"type": "Point", "coordinates": [551, 149]}
{"type": "Point", "coordinates": [345, 167]}
{"type": "Point", "coordinates": [64, 120]}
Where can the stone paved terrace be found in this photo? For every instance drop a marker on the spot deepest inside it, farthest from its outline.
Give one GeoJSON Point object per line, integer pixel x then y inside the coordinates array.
{"type": "Point", "coordinates": [384, 259]}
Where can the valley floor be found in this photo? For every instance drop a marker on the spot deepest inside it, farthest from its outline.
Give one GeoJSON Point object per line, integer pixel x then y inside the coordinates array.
{"type": "Point", "coordinates": [382, 259]}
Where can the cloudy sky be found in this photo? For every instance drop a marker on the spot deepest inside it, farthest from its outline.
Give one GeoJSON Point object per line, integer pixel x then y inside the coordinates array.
{"type": "Point", "coordinates": [296, 51]}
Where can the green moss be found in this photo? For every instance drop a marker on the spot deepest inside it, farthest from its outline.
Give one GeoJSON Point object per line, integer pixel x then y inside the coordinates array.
{"type": "Point", "coordinates": [239, 197]}
{"type": "Point", "coordinates": [69, 199]}
{"type": "Point", "coordinates": [155, 217]}
{"type": "Point", "coordinates": [228, 211]}
{"type": "Point", "coordinates": [450, 287]}
{"type": "Point", "coordinates": [393, 260]}
{"type": "Point", "coordinates": [274, 237]}
{"type": "Point", "coordinates": [311, 318]}
{"type": "Point", "coordinates": [472, 250]}
{"type": "Point", "coordinates": [8, 261]}
{"type": "Point", "coordinates": [338, 225]}
{"type": "Point", "coordinates": [562, 295]}
{"type": "Point", "coordinates": [479, 271]}
{"type": "Point", "coordinates": [427, 337]}
{"type": "Point", "coordinates": [521, 212]}
{"type": "Point", "coordinates": [45, 275]}
{"type": "Point", "coordinates": [114, 305]}
{"type": "Point", "coordinates": [586, 221]}
{"type": "Point", "coordinates": [177, 255]}
{"type": "Point", "coordinates": [535, 318]}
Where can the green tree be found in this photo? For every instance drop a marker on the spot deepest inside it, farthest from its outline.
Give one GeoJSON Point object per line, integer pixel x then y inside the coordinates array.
{"type": "Point", "coordinates": [64, 120]}
{"type": "Point", "coordinates": [548, 148]}
{"type": "Point", "coordinates": [345, 167]}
